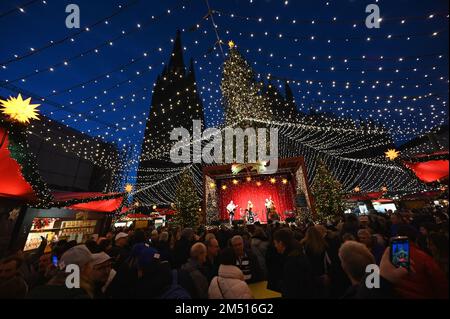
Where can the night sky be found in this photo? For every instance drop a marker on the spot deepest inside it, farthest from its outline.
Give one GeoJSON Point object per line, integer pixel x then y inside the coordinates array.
{"type": "Point", "coordinates": [311, 42]}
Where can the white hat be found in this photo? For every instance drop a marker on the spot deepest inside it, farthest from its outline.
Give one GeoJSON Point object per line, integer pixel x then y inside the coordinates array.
{"type": "Point", "coordinates": [100, 258]}
{"type": "Point", "coordinates": [79, 255]}
{"type": "Point", "coordinates": [121, 235]}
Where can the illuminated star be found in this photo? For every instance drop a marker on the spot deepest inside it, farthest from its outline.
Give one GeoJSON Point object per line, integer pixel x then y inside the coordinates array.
{"type": "Point", "coordinates": [128, 188]}
{"type": "Point", "coordinates": [392, 154]}
{"type": "Point", "coordinates": [231, 44]}
{"type": "Point", "coordinates": [20, 110]}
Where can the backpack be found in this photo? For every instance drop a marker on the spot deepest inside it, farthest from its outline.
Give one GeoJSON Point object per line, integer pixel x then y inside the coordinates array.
{"type": "Point", "coordinates": [175, 291]}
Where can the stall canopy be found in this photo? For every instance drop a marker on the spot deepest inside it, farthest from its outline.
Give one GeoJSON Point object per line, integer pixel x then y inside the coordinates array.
{"type": "Point", "coordinates": [364, 196]}
{"type": "Point", "coordinates": [166, 211]}
{"type": "Point", "coordinates": [429, 168]}
{"type": "Point", "coordinates": [430, 171]}
{"type": "Point", "coordinates": [14, 185]}
{"type": "Point", "coordinates": [97, 202]}
{"type": "Point", "coordinates": [12, 182]}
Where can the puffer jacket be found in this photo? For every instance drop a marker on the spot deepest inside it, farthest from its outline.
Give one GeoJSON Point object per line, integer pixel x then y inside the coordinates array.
{"type": "Point", "coordinates": [229, 284]}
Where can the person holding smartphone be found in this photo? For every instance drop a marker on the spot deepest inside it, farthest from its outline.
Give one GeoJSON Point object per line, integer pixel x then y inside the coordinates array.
{"type": "Point", "coordinates": [425, 278]}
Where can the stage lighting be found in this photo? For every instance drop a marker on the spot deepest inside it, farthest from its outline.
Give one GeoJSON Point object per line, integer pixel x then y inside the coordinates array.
{"type": "Point", "coordinates": [224, 187]}
{"type": "Point", "coordinates": [212, 185]}
{"type": "Point", "coordinates": [154, 206]}
{"type": "Point", "coordinates": [284, 181]}
{"type": "Point", "coordinates": [235, 181]}
{"type": "Point", "coordinates": [258, 183]}
{"type": "Point", "coordinates": [273, 180]}
{"type": "Point", "coordinates": [384, 189]}
{"type": "Point", "coordinates": [249, 179]}
{"type": "Point", "coordinates": [357, 189]}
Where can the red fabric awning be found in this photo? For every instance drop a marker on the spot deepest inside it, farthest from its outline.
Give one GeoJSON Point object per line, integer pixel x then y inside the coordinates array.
{"type": "Point", "coordinates": [105, 206]}
{"type": "Point", "coordinates": [12, 182]}
{"type": "Point", "coordinates": [429, 171]}
{"type": "Point", "coordinates": [166, 211]}
{"type": "Point", "coordinates": [97, 202]}
{"type": "Point", "coordinates": [365, 196]}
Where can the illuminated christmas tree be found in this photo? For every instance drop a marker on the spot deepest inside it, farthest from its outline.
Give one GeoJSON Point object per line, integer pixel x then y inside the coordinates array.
{"type": "Point", "coordinates": [187, 202]}
{"type": "Point", "coordinates": [328, 194]}
{"type": "Point", "coordinates": [241, 92]}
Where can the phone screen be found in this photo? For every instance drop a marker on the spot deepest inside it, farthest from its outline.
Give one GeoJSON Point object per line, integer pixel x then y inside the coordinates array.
{"type": "Point", "coordinates": [55, 261]}
{"type": "Point", "coordinates": [400, 252]}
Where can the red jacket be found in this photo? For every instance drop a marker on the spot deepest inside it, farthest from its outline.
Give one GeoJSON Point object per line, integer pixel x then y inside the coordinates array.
{"type": "Point", "coordinates": [428, 281]}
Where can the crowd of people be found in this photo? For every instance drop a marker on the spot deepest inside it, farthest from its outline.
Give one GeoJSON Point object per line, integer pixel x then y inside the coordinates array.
{"type": "Point", "coordinates": [297, 260]}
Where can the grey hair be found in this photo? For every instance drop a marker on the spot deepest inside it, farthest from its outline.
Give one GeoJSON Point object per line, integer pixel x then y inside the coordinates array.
{"type": "Point", "coordinates": [197, 249]}
{"type": "Point", "coordinates": [237, 237]}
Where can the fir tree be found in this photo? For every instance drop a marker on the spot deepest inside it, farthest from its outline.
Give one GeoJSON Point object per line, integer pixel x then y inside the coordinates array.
{"type": "Point", "coordinates": [212, 211]}
{"type": "Point", "coordinates": [187, 202]}
{"type": "Point", "coordinates": [241, 92]}
{"type": "Point", "coordinates": [328, 194]}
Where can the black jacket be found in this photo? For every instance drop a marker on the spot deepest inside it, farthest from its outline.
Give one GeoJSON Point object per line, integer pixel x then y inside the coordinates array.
{"type": "Point", "coordinates": [181, 253]}
{"type": "Point", "coordinates": [274, 265]}
{"type": "Point", "coordinates": [297, 282]}
{"type": "Point", "coordinates": [385, 291]}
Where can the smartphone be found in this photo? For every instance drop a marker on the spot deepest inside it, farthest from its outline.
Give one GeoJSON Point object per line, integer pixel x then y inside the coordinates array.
{"type": "Point", "coordinates": [55, 261]}
{"type": "Point", "coordinates": [400, 252]}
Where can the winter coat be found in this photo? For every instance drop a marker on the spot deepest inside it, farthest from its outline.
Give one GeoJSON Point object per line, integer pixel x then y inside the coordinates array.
{"type": "Point", "coordinates": [181, 253]}
{"type": "Point", "coordinates": [428, 280]}
{"type": "Point", "coordinates": [297, 281]}
{"type": "Point", "coordinates": [198, 277]}
{"type": "Point", "coordinates": [274, 264]}
{"type": "Point", "coordinates": [229, 284]}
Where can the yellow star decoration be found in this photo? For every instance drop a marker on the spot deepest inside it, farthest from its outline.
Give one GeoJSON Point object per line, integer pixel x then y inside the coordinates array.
{"type": "Point", "coordinates": [231, 44]}
{"type": "Point", "coordinates": [392, 154]}
{"type": "Point", "coordinates": [20, 110]}
{"type": "Point", "coordinates": [128, 188]}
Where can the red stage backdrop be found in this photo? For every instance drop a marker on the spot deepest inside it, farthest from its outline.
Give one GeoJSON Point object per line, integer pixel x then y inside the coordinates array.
{"type": "Point", "coordinates": [241, 193]}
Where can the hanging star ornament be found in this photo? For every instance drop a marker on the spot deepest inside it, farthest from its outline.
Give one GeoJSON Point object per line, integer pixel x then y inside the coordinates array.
{"type": "Point", "coordinates": [20, 110]}
{"type": "Point", "coordinates": [128, 188]}
{"type": "Point", "coordinates": [392, 154]}
{"type": "Point", "coordinates": [231, 44]}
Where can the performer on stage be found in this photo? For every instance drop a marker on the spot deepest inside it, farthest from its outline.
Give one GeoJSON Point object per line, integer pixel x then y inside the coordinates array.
{"type": "Point", "coordinates": [231, 208]}
{"type": "Point", "coordinates": [269, 206]}
{"type": "Point", "coordinates": [250, 216]}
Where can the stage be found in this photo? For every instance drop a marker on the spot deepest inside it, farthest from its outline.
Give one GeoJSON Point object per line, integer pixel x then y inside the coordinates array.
{"type": "Point", "coordinates": [287, 188]}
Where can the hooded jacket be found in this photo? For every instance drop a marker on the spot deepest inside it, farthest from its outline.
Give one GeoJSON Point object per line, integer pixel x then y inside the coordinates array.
{"type": "Point", "coordinates": [229, 284]}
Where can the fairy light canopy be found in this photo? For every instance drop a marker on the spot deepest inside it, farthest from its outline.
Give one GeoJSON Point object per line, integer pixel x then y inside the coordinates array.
{"type": "Point", "coordinates": [309, 56]}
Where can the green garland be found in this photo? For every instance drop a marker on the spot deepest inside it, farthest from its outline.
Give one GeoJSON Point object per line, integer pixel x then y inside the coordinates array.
{"type": "Point", "coordinates": [19, 149]}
